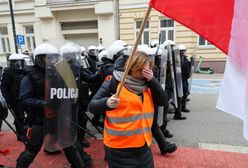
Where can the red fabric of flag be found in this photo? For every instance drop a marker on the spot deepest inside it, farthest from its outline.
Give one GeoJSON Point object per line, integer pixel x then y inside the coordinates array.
{"type": "Point", "coordinates": [211, 19]}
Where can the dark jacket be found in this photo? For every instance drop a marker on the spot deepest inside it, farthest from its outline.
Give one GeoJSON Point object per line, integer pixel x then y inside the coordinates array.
{"type": "Point", "coordinates": [32, 93]}
{"type": "Point", "coordinates": [87, 76]}
{"type": "Point", "coordinates": [186, 70]}
{"type": "Point", "coordinates": [98, 102]}
{"type": "Point", "coordinates": [10, 84]}
{"type": "Point", "coordinates": [106, 70]}
{"type": "Point", "coordinates": [186, 67]}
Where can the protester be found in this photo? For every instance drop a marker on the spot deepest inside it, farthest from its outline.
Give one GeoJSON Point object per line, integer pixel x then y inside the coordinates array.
{"type": "Point", "coordinates": [129, 117]}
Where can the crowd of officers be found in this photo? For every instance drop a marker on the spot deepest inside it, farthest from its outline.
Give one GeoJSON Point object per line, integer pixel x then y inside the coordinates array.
{"type": "Point", "coordinates": [23, 85]}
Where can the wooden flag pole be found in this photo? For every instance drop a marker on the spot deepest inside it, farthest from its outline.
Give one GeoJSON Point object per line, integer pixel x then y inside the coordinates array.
{"type": "Point", "coordinates": [134, 50]}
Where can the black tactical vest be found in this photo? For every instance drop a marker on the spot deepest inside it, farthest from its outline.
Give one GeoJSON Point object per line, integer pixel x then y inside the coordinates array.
{"type": "Point", "coordinates": [37, 77]}
{"type": "Point", "coordinates": [16, 77]}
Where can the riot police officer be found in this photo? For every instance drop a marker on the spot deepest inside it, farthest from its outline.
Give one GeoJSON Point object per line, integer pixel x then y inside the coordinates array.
{"type": "Point", "coordinates": [186, 69]}
{"type": "Point", "coordinates": [107, 65]}
{"type": "Point", "coordinates": [93, 54]}
{"type": "Point", "coordinates": [154, 44]}
{"type": "Point", "coordinates": [10, 85]}
{"type": "Point", "coordinates": [32, 95]}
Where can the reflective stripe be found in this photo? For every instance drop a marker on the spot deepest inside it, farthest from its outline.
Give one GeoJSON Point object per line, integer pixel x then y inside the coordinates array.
{"type": "Point", "coordinates": [116, 120]}
{"type": "Point", "coordinates": [128, 133]}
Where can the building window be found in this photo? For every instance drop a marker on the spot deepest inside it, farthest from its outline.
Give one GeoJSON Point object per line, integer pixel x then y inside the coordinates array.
{"type": "Point", "coordinates": [167, 30]}
{"type": "Point", "coordinates": [4, 40]}
{"type": "Point", "coordinates": [145, 35]}
{"type": "Point", "coordinates": [30, 39]}
{"type": "Point", "coordinates": [203, 42]}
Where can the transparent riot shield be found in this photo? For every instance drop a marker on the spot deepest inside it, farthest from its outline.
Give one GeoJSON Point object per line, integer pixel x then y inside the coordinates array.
{"type": "Point", "coordinates": [192, 60]}
{"type": "Point", "coordinates": [178, 72]}
{"type": "Point", "coordinates": [164, 60]}
{"type": "Point", "coordinates": [62, 73]}
{"type": "Point", "coordinates": [160, 61]}
{"type": "Point", "coordinates": [84, 62]}
{"type": "Point", "coordinates": [172, 76]}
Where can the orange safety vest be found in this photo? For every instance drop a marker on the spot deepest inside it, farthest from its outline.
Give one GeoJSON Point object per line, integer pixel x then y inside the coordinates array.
{"type": "Point", "coordinates": [129, 125]}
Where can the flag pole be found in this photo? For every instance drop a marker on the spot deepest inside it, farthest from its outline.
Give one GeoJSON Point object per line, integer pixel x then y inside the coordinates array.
{"type": "Point", "coordinates": [134, 50]}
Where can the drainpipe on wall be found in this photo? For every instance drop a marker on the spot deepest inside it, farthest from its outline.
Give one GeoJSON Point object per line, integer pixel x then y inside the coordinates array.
{"type": "Point", "coordinates": [13, 24]}
{"type": "Point", "coordinates": [117, 18]}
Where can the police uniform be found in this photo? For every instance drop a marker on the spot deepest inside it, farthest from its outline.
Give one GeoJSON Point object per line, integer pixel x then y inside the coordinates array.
{"type": "Point", "coordinates": [32, 95]}
{"type": "Point", "coordinates": [10, 85]}
{"type": "Point", "coordinates": [186, 69]}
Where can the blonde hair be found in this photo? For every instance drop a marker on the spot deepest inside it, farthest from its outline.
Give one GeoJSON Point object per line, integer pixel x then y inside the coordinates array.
{"type": "Point", "coordinates": [138, 61]}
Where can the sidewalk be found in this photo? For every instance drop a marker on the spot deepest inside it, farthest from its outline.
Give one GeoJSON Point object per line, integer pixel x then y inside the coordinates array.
{"type": "Point", "coordinates": [182, 158]}
{"type": "Point", "coordinates": [208, 76]}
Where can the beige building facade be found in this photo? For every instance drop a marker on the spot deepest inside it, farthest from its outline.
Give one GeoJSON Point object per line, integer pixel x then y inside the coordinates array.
{"type": "Point", "coordinates": [96, 22]}
{"type": "Point", "coordinates": [87, 22]}
{"type": "Point", "coordinates": [131, 14]}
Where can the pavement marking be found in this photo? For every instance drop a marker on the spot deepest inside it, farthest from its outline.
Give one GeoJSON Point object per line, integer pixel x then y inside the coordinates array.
{"type": "Point", "coordinates": [203, 86]}
{"type": "Point", "coordinates": [208, 79]}
{"type": "Point", "coordinates": [223, 147]}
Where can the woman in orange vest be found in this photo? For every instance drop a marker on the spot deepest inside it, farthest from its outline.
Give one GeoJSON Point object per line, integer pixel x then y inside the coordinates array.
{"type": "Point", "coordinates": [129, 118]}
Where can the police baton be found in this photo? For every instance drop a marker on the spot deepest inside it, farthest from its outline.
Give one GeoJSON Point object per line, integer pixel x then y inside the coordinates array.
{"type": "Point", "coordinates": [86, 131]}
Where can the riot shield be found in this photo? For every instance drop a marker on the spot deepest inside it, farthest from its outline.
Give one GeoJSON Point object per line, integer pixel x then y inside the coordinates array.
{"type": "Point", "coordinates": [178, 72]}
{"type": "Point", "coordinates": [160, 61]}
{"type": "Point", "coordinates": [172, 75]}
{"type": "Point", "coordinates": [192, 60]}
{"type": "Point", "coordinates": [84, 62]}
{"type": "Point", "coordinates": [164, 60]}
{"type": "Point", "coordinates": [62, 73]}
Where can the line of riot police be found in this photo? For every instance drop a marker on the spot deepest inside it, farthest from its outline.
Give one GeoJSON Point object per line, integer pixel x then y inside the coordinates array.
{"type": "Point", "coordinates": [54, 94]}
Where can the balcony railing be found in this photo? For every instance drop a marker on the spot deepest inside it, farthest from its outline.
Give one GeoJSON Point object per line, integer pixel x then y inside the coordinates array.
{"type": "Point", "coordinates": [50, 2]}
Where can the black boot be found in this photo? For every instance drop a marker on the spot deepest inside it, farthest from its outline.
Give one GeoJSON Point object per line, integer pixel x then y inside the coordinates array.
{"type": "Point", "coordinates": [184, 100]}
{"type": "Point", "coordinates": [166, 133]}
{"type": "Point", "coordinates": [25, 159]}
{"type": "Point", "coordinates": [165, 147]}
{"type": "Point", "coordinates": [178, 113]}
{"type": "Point", "coordinates": [180, 117]}
{"type": "Point", "coordinates": [86, 157]}
{"type": "Point", "coordinates": [73, 155]}
{"type": "Point", "coordinates": [184, 109]}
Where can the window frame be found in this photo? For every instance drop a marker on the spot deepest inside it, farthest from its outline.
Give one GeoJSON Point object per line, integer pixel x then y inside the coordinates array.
{"type": "Point", "coordinates": [141, 42]}
{"type": "Point", "coordinates": [206, 45]}
{"type": "Point", "coordinates": [31, 37]}
{"type": "Point", "coordinates": [167, 29]}
{"type": "Point", "coordinates": [5, 37]}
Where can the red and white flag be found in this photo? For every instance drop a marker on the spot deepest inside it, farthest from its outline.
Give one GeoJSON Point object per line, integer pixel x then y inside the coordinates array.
{"type": "Point", "coordinates": [224, 23]}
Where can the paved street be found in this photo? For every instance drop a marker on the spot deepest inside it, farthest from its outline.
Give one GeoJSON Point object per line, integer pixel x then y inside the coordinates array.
{"type": "Point", "coordinates": [205, 127]}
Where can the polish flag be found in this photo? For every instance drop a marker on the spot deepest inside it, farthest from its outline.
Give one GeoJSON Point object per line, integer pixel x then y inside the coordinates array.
{"type": "Point", "coordinates": [224, 23]}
